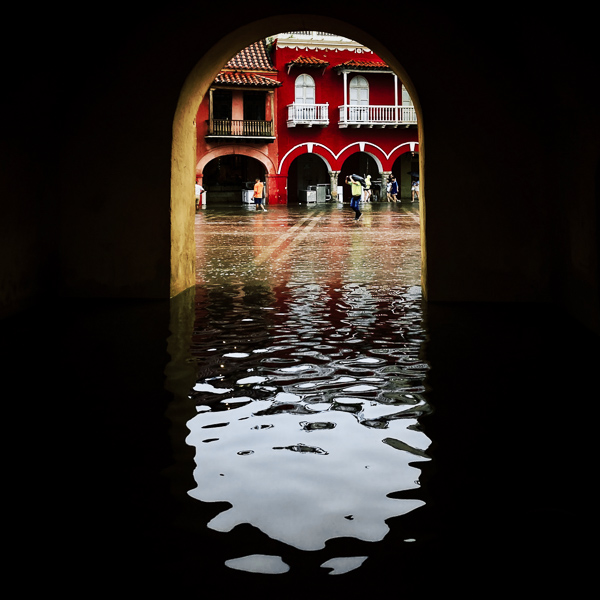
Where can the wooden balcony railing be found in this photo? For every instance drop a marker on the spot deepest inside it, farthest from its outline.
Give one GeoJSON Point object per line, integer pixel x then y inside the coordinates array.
{"type": "Point", "coordinates": [240, 128]}
{"type": "Point", "coordinates": [377, 116]}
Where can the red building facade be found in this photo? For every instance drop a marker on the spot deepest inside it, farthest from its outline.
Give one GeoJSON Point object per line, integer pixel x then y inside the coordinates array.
{"type": "Point", "coordinates": [301, 111]}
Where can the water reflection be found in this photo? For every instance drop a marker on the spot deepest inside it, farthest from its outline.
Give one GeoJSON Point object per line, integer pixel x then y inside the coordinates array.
{"type": "Point", "coordinates": [310, 383]}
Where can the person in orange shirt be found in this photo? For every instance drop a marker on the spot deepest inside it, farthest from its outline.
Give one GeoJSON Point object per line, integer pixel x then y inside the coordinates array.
{"type": "Point", "coordinates": [258, 195]}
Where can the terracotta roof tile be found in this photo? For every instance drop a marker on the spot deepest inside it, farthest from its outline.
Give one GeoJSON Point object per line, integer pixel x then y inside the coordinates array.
{"type": "Point", "coordinates": [254, 56]}
{"type": "Point", "coordinates": [308, 61]}
{"type": "Point", "coordinates": [362, 64]}
{"type": "Point", "coordinates": [245, 79]}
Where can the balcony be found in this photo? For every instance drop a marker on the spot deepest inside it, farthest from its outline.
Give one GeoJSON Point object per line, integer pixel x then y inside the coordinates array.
{"type": "Point", "coordinates": [377, 116]}
{"type": "Point", "coordinates": [308, 115]}
{"type": "Point", "coordinates": [247, 130]}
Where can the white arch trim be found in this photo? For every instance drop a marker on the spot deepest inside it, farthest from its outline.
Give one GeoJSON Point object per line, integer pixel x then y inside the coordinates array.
{"type": "Point", "coordinates": [361, 145]}
{"type": "Point", "coordinates": [309, 148]}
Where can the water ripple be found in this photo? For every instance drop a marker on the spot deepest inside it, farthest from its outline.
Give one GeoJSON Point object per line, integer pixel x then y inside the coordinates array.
{"type": "Point", "coordinates": [323, 398]}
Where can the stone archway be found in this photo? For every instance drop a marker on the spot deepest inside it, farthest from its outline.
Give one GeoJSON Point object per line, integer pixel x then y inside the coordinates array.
{"type": "Point", "coordinates": [405, 168]}
{"type": "Point", "coordinates": [307, 169]}
{"type": "Point", "coordinates": [183, 152]}
{"type": "Point", "coordinates": [228, 150]}
{"type": "Point", "coordinates": [362, 163]}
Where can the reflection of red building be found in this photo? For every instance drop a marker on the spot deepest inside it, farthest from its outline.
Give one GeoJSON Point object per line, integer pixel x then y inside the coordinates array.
{"type": "Point", "coordinates": [304, 109]}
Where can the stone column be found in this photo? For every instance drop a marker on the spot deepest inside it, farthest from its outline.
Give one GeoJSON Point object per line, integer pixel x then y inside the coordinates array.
{"type": "Point", "coordinates": [333, 184]}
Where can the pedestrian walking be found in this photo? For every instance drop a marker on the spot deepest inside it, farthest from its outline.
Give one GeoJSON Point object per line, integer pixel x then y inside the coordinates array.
{"type": "Point", "coordinates": [356, 195]}
{"type": "Point", "coordinates": [414, 190]}
{"type": "Point", "coordinates": [198, 193]}
{"type": "Point", "coordinates": [368, 188]}
{"type": "Point", "coordinates": [259, 195]}
{"type": "Point", "coordinates": [394, 190]}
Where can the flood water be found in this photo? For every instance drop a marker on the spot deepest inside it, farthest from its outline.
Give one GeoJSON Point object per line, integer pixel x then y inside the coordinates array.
{"type": "Point", "coordinates": [310, 386]}
{"type": "Point", "coordinates": [300, 424]}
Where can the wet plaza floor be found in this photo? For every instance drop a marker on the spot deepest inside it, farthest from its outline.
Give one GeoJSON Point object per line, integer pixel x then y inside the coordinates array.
{"type": "Point", "coordinates": [308, 337]}
{"type": "Point", "coordinates": [302, 423]}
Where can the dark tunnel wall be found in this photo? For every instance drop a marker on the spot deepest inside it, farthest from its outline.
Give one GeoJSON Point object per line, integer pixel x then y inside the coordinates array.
{"type": "Point", "coordinates": [87, 148]}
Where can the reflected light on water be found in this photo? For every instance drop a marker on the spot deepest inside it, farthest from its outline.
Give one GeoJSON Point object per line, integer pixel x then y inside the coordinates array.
{"type": "Point", "coordinates": [304, 481]}
{"type": "Point", "coordinates": [309, 387]}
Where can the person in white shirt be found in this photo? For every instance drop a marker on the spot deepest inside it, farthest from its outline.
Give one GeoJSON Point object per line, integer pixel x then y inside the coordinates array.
{"type": "Point", "coordinates": [414, 190]}
{"type": "Point", "coordinates": [368, 188]}
{"type": "Point", "coordinates": [198, 193]}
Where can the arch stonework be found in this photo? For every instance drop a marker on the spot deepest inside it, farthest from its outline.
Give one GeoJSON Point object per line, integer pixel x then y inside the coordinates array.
{"type": "Point", "coordinates": [305, 148]}
{"type": "Point", "coordinates": [372, 150]}
{"type": "Point", "coordinates": [228, 150]}
{"type": "Point", "coordinates": [183, 157]}
{"type": "Point", "coordinates": [398, 151]}
{"type": "Point", "coordinates": [335, 161]}
{"type": "Point", "coordinates": [145, 152]}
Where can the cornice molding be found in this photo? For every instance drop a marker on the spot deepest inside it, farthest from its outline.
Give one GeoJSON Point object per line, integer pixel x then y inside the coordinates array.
{"type": "Point", "coordinates": [336, 43]}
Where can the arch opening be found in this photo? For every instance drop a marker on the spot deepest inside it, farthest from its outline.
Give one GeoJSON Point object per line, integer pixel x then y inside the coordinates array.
{"type": "Point", "coordinates": [184, 163]}
{"type": "Point", "coordinates": [305, 171]}
{"type": "Point", "coordinates": [363, 164]}
{"type": "Point", "coordinates": [223, 178]}
{"type": "Point", "coordinates": [406, 170]}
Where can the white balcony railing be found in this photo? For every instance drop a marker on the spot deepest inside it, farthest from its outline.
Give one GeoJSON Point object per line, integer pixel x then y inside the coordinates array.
{"type": "Point", "coordinates": [377, 116]}
{"type": "Point", "coordinates": [308, 115]}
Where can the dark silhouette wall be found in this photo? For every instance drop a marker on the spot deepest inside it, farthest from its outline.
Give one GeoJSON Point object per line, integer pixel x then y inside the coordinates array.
{"type": "Point", "coordinates": [89, 163]}
{"type": "Point", "coordinates": [95, 167]}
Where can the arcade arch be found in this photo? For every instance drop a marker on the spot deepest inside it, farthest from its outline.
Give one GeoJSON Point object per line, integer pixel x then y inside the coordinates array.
{"type": "Point", "coordinates": [362, 163]}
{"type": "Point", "coordinates": [406, 169]}
{"type": "Point", "coordinates": [380, 165]}
{"type": "Point", "coordinates": [231, 150]}
{"type": "Point", "coordinates": [223, 177]}
{"type": "Point", "coordinates": [306, 170]}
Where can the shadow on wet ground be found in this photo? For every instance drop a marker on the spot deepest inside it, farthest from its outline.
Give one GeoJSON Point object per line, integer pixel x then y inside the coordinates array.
{"type": "Point", "coordinates": [98, 470]}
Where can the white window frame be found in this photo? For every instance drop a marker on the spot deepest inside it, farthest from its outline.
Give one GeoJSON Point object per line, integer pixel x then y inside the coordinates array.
{"type": "Point", "coordinates": [305, 83]}
{"type": "Point", "coordinates": [359, 98]}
